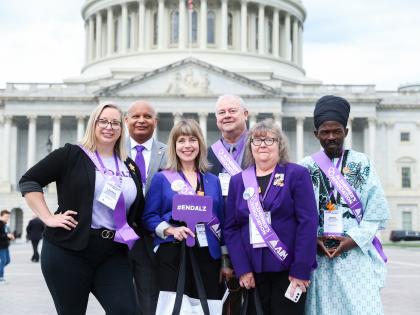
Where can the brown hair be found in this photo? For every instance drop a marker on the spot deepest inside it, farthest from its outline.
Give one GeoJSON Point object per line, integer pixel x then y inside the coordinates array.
{"type": "Point", "coordinates": [186, 127]}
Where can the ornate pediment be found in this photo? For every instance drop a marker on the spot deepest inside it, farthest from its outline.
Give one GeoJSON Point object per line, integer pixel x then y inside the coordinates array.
{"type": "Point", "coordinates": [189, 77]}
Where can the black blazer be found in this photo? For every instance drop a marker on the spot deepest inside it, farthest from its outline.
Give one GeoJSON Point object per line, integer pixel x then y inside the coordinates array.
{"type": "Point", "coordinates": [74, 174]}
{"type": "Point", "coordinates": [215, 166]}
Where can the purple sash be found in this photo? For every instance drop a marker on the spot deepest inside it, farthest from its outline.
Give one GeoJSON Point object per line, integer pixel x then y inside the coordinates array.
{"type": "Point", "coordinates": [346, 191]}
{"type": "Point", "coordinates": [277, 247]}
{"type": "Point", "coordinates": [124, 233]}
{"type": "Point", "coordinates": [227, 161]}
{"type": "Point", "coordinates": [214, 223]}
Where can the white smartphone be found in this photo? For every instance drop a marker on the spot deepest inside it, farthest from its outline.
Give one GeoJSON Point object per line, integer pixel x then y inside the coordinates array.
{"type": "Point", "coordinates": [296, 296]}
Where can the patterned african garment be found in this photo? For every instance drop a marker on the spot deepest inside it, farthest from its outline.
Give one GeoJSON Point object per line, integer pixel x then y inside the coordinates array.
{"type": "Point", "coordinates": [349, 284]}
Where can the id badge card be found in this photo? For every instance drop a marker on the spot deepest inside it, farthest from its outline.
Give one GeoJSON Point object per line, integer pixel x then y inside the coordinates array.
{"type": "Point", "coordinates": [200, 230]}
{"type": "Point", "coordinates": [110, 194]}
{"type": "Point", "coordinates": [224, 183]}
{"type": "Point", "coordinates": [255, 237]}
{"type": "Point", "coordinates": [333, 222]}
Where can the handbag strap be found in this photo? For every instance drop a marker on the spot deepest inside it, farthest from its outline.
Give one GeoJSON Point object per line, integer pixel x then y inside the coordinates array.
{"type": "Point", "coordinates": [180, 286]}
{"type": "Point", "coordinates": [257, 302]}
{"type": "Point", "coordinates": [199, 283]}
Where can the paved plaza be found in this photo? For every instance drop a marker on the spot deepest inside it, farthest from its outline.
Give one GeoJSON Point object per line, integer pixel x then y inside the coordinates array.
{"type": "Point", "coordinates": [26, 292]}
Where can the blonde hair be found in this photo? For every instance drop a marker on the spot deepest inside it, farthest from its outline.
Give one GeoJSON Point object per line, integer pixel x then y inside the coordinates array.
{"type": "Point", "coordinates": [261, 129]}
{"type": "Point", "coordinates": [89, 139]}
{"type": "Point", "coordinates": [186, 127]}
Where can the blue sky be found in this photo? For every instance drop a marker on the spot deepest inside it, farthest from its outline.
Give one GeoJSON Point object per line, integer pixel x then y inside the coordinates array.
{"type": "Point", "coordinates": [354, 42]}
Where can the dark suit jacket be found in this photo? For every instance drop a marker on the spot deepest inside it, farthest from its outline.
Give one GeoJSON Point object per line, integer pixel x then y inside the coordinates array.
{"type": "Point", "coordinates": [159, 207]}
{"type": "Point", "coordinates": [294, 218]}
{"type": "Point", "coordinates": [74, 174]}
{"type": "Point", "coordinates": [215, 166]}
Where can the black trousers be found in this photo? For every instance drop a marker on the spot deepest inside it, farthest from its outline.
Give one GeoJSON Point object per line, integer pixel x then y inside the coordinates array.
{"type": "Point", "coordinates": [35, 255]}
{"type": "Point", "coordinates": [271, 287]}
{"type": "Point", "coordinates": [168, 258]}
{"type": "Point", "coordinates": [145, 276]}
{"type": "Point", "coordinates": [102, 268]}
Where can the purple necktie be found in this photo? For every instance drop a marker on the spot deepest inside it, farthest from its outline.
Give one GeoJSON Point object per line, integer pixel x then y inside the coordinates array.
{"type": "Point", "coordinates": [140, 162]}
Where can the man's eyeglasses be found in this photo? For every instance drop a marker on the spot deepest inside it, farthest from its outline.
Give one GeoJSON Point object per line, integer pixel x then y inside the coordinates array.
{"type": "Point", "coordinates": [267, 141]}
{"type": "Point", "coordinates": [103, 123]}
{"type": "Point", "coordinates": [230, 111]}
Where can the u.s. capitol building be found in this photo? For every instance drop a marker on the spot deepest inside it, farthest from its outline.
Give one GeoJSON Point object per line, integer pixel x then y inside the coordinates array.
{"type": "Point", "coordinates": [181, 59]}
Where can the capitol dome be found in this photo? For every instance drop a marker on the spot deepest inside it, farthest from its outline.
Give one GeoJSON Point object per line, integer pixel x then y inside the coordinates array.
{"type": "Point", "coordinates": [258, 38]}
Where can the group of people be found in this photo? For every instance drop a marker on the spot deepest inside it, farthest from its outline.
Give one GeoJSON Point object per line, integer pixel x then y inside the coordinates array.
{"type": "Point", "coordinates": [264, 225]}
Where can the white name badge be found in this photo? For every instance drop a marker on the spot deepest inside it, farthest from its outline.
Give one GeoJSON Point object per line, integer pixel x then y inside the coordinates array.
{"type": "Point", "coordinates": [254, 236]}
{"type": "Point", "coordinates": [110, 194]}
{"type": "Point", "coordinates": [333, 222]}
{"type": "Point", "coordinates": [224, 183]}
{"type": "Point", "coordinates": [200, 230]}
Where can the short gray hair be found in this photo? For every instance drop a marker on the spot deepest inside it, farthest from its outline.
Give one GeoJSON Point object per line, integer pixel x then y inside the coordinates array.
{"type": "Point", "coordinates": [232, 98]}
{"type": "Point", "coordinates": [261, 129]}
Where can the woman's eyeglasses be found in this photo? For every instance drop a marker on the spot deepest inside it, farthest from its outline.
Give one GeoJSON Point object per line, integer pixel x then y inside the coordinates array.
{"type": "Point", "coordinates": [103, 123]}
{"type": "Point", "coordinates": [267, 141]}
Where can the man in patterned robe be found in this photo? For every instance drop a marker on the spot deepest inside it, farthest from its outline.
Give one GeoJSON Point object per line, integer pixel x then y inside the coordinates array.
{"type": "Point", "coordinates": [350, 269]}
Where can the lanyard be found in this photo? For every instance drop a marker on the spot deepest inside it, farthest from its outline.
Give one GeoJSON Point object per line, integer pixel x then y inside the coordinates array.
{"type": "Point", "coordinates": [104, 169]}
{"type": "Point", "coordinates": [332, 189]}
{"type": "Point", "coordinates": [188, 183]}
{"type": "Point", "coordinates": [262, 198]}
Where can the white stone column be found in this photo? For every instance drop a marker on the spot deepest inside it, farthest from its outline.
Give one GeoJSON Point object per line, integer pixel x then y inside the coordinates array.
{"type": "Point", "coordinates": [224, 33]}
{"type": "Point", "coordinates": [299, 138]}
{"type": "Point", "coordinates": [91, 39]}
{"type": "Point", "coordinates": [278, 119]}
{"type": "Point", "coordinates": [98, 35]}
{"type": "Point", "coordinates": [5, 156]}
{"type": "Point", "coordinates": [161, 23]}
{"type": "Point", "coordinates": [110, 32]}
{"type": "Point", "coordinates": [275, 38]}
{"type": "Point", "coordinates": [349, 138]}
{"type": "Point", "coordinates": [87, 53]}
{"type": "Point", "coordinates": [182, 25]}
{"type": "Point", "coordinates": [300, 45]}
{"type": "Point", "coordinates": [202, 117]}
{"type": "Point", "coordinates": [56, 132]}
{"type": "Point", "coordinates": [177, 117]}
{"type": "Point", "coordinates": [31, 154]}
{"type": "Point", "coordinates": [295, 41]}
{"type": "Point", "coordinates": [80, 127]}
{"type": "Point", "coordinates": [285, 38]}
{"type": "Point", "coordinates": [133, 34]}
{"type": "Point", "coordinates": [203, 24]}
{"type": "Point", "coordinates": [124, 27]}
{"type": "Point", "coordinates": [244, 26]}
{"type": "Point", "coordinates": [141, 31]}
{"type": "Point", "coordinates": [252, 119]}
{"type": "Point", "coordinates": [372, 137]}
{"type": "Point", "coordinates": [261, 24]}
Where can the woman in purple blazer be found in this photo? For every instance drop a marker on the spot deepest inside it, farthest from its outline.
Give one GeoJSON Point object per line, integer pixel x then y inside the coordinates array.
{"type": "Point", "coordinates": [286, 253]}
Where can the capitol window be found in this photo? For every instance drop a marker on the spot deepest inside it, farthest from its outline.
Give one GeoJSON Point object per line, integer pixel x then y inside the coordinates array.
{"type": "Point", "coordinates": [406, 177]}
{"type": "Point", "coordinates": [211, 26]}
{"type": "Point", "coordinates": [155, 29]}
{"type": "Point", "coordinates": [174, 27]}
{"type": "Point", "coordinates": [194, 26]}
{"type": "Point", "coordinates": [404, 136]}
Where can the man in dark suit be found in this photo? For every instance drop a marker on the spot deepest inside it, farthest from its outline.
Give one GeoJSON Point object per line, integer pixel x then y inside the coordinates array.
{"type": "Point", "coordinates": [231, 118]}
{"type": "Point", "coordinates": [150, 156]}
{"type": "Point", "coordinates": [34, 233]}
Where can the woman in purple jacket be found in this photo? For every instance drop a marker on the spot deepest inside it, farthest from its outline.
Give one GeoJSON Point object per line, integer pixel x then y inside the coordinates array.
{"type": "Point", "coordinates": [271, 222]}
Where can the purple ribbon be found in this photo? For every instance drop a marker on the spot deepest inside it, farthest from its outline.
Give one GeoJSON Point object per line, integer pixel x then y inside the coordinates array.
{"type": "Point", "coordinates": [277, 247]}
{"type": "Point", "coordinates": [225, 158]}
{"type": "Point", "coordinates": [214, 223]}
{"type": "Point", "coordinates": [124, 233]}
{"type": "Point", "coordinates": [346, 191]}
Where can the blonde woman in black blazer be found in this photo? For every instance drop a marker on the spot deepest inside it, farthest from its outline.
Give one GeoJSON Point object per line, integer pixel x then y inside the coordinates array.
{"type": "Point", "coordinates": [80, 254]}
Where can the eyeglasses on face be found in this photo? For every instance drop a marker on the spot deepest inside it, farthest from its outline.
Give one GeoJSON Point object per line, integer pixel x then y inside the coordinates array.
{"type": "Point", "coordinates": [267, 141]}
{"type": "Point", "coordinates": [103, 123]}
{"type": "Point", "coordinates": [230, 111]}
